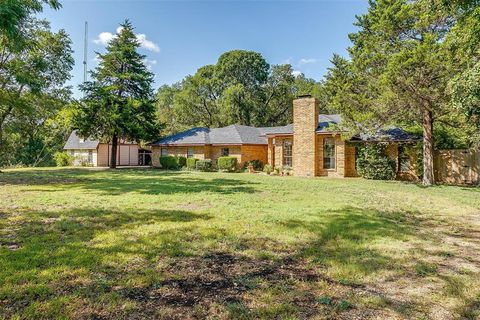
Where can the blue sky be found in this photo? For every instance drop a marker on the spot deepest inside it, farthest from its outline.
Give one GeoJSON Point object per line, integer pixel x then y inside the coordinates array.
{"type": "Point", "coordinates": [180, 36]}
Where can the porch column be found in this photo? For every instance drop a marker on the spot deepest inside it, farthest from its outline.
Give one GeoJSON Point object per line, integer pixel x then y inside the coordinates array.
{"type": "Point", "coordinates": [271, 152]}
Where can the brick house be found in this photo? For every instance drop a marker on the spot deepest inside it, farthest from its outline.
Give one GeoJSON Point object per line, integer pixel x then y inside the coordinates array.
{"type": "Point", "coordinates": [309, 146]}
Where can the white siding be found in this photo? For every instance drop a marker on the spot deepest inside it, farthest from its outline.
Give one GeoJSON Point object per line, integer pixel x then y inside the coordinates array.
{"type": "Point", "coordinates": [81, 156]}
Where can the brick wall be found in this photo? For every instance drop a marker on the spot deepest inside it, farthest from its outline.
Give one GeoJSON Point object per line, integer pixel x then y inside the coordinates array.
{"type": "Point", "coordinates": [305, 150]}
{"type": "Point", "coordinates": [254, 152]}
{"type": "Point", "coordinates": [234, 151]}
{"type": "Point", "coordinates": [271, 152]}
{"type": "Point", "coordinates": [350, 159]}
{"type": "Point", "coordinates": [156, 157]}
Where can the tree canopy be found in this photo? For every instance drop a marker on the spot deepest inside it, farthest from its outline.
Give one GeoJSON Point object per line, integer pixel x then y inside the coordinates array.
{"type": "Point", "coordinates": [119, 102]}
{"type": "Point", "coordinates": [240, 88]}
{"type": "Point", "coordinates": [13, 16]}
{"type": "Point", "coordinates": [33, 93]}
{"type": "Point", "coordinates": [400, 68]}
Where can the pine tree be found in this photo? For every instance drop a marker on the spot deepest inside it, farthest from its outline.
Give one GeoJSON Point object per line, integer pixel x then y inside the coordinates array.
{"type": "Point", "coordinates": [119, 102]}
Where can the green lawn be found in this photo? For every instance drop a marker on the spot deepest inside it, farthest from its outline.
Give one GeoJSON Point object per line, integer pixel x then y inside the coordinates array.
{"type": "Point", "coordinates": [134, 244]}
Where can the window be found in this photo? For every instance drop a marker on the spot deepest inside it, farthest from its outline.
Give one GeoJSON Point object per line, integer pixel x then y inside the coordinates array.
{"type": "Point", "coordinates": [403, 159]}
{"type": "Point", "coordinates": [190, 153]}
{"type": "Point", "coordinates": [225, 152]}
{"type": "Point", "coordinates": [81, 140]}
{"type": "Point", "coordinates": [72, 153]}
{"type": "Point", "coordinates": [329, 153]}
{"type": "Point", "coordinates": [163, 152]}
{"type": "Point", "coordinates": [287, 153]}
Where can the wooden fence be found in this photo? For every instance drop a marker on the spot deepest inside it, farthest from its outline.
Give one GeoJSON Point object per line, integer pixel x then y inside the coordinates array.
{"type": "Point", "coordinates": [457, 166]}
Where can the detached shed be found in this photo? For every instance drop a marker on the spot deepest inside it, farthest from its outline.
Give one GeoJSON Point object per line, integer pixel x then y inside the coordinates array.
{"type": "Point", "coordinates": [94, 153]}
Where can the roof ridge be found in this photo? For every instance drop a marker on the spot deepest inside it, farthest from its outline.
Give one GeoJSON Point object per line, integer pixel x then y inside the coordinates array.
{"type": "Point", "coordinates": [238, 132]}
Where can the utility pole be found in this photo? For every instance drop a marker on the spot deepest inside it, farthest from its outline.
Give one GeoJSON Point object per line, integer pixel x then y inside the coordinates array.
{"type": "Point", "coordinates": [85, 55]}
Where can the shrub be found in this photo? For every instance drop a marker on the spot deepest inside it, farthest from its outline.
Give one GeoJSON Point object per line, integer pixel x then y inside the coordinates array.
{"type": "Point", "coordinates": [204, 165]}
{"type": "Point", "coordinates": [373, 163]}
{"type": "Point", "coordinates": [169, 163]}
{"type": "Point", "coordinates": [181, 161]}
{"type": "Point", "coordinates": [173, 162]}
{"type": "Point", "coordinates": [227, 163]}
{"type": "Point", "coordinates": [191, 163]}
{"type": "Point", "coordinates": [268, 168]}
{"type": "Point", "coordinates": [63, 159]}
{"type": "Point", "coordinates": [257, 164]}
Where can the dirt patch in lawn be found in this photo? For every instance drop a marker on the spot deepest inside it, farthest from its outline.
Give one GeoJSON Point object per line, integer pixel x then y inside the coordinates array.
{"type": "Point", "coordinates": [217, 283]}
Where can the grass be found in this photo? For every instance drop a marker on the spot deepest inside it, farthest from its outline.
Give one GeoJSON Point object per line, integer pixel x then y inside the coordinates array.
{"type": "Point", "coordinates": [89, 243]}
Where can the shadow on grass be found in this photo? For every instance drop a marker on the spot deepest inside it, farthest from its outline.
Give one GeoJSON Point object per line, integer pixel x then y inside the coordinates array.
{"type": "Point", "coordinates": [95, 254]}
{"type": "Point", "coordinates": [44, 254]}
{"type": "Point", "coordinates": [343, 245]}
{"type": "Point", "coordinates": [343, 238]}
{"type": "Point", "coordinates": [117, 182]}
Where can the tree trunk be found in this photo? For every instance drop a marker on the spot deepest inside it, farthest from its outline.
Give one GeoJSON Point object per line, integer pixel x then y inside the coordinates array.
{"type": "Point", "coordinates": [428, 175]}
{"type": "Point", "coordinates": [113, 158]}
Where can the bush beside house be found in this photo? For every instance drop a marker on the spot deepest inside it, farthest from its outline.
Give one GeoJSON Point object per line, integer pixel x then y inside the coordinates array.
{"type": "Point", "coordinates": [191, 163]}
{"type": "Point", "coordinates": [227, 163]}
{"type": "Point", "coordinates": [256, 164]}
{"type": "Point", "coordinates": [373, 163]}
{"type": "Point", "coordinates": [173, 163]}
{"type": "Point", "coordinates": [204, 165]}
{"type": "Point", "coordinates": [63, 159]}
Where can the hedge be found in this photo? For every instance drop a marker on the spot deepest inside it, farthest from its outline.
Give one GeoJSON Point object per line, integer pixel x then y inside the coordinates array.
{"type": "Point", "coordinates": [191, 163]}
{"type": "Point", "coordinates": [227, 163]}
{"type": "Point", "coordinates": [373, 163]}
{"type": "Point", "coordinates": [173, 162]}
{"type": "Point", "coordinates": [204, 165]}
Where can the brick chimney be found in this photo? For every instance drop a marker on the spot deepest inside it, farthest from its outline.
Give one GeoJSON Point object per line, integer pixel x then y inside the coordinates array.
{"type": "Point", "coordinates": [305, 149]}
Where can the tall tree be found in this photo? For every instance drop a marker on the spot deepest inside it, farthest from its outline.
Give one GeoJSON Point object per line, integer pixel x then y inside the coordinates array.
{"type": "Point", "coordinates": [119, 102]}
{"type": "Point", "coordinates": [32, 87]}
{"type": "Point", "coordinates": [197, 103]}
{"type": "Point", "coordinates": [242, 75]}
{"type": "Point", "coordinates": [399, 61]}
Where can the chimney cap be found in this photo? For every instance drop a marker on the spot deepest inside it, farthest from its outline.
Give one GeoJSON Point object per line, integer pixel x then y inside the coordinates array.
{"type": "Point", "coordinates": [304, 96]}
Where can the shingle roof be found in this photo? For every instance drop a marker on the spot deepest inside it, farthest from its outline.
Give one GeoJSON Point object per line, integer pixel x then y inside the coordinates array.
{"type": "Point", "coordinates": [233, 134]}
{"type": "Point", "coordinates": [238, 134]}
{"type": "Point", "coordinates": [191, 136]}
{"type": "Point", "coordinates": [73, 143]}
{"type": "Point", "coordinates": [325, 120]}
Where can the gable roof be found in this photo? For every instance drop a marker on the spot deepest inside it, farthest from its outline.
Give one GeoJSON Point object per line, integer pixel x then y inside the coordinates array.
{"type": "Point", "coordinates": [238, 134]}
{"type": "Point", "coordinates": [73, 143]}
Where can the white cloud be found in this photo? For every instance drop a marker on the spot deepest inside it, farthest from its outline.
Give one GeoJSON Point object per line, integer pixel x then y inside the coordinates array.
{"type": "Point", "coordinates": [297, 73]}
{"type": "Point", "coordinates": [105, 37]}
{"type": "Point", "coordinates": [306, 61]}
{"type": "Point", "coordinates": [150, 63]}
{"type": "Point", "coordinates": [147, 44]}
